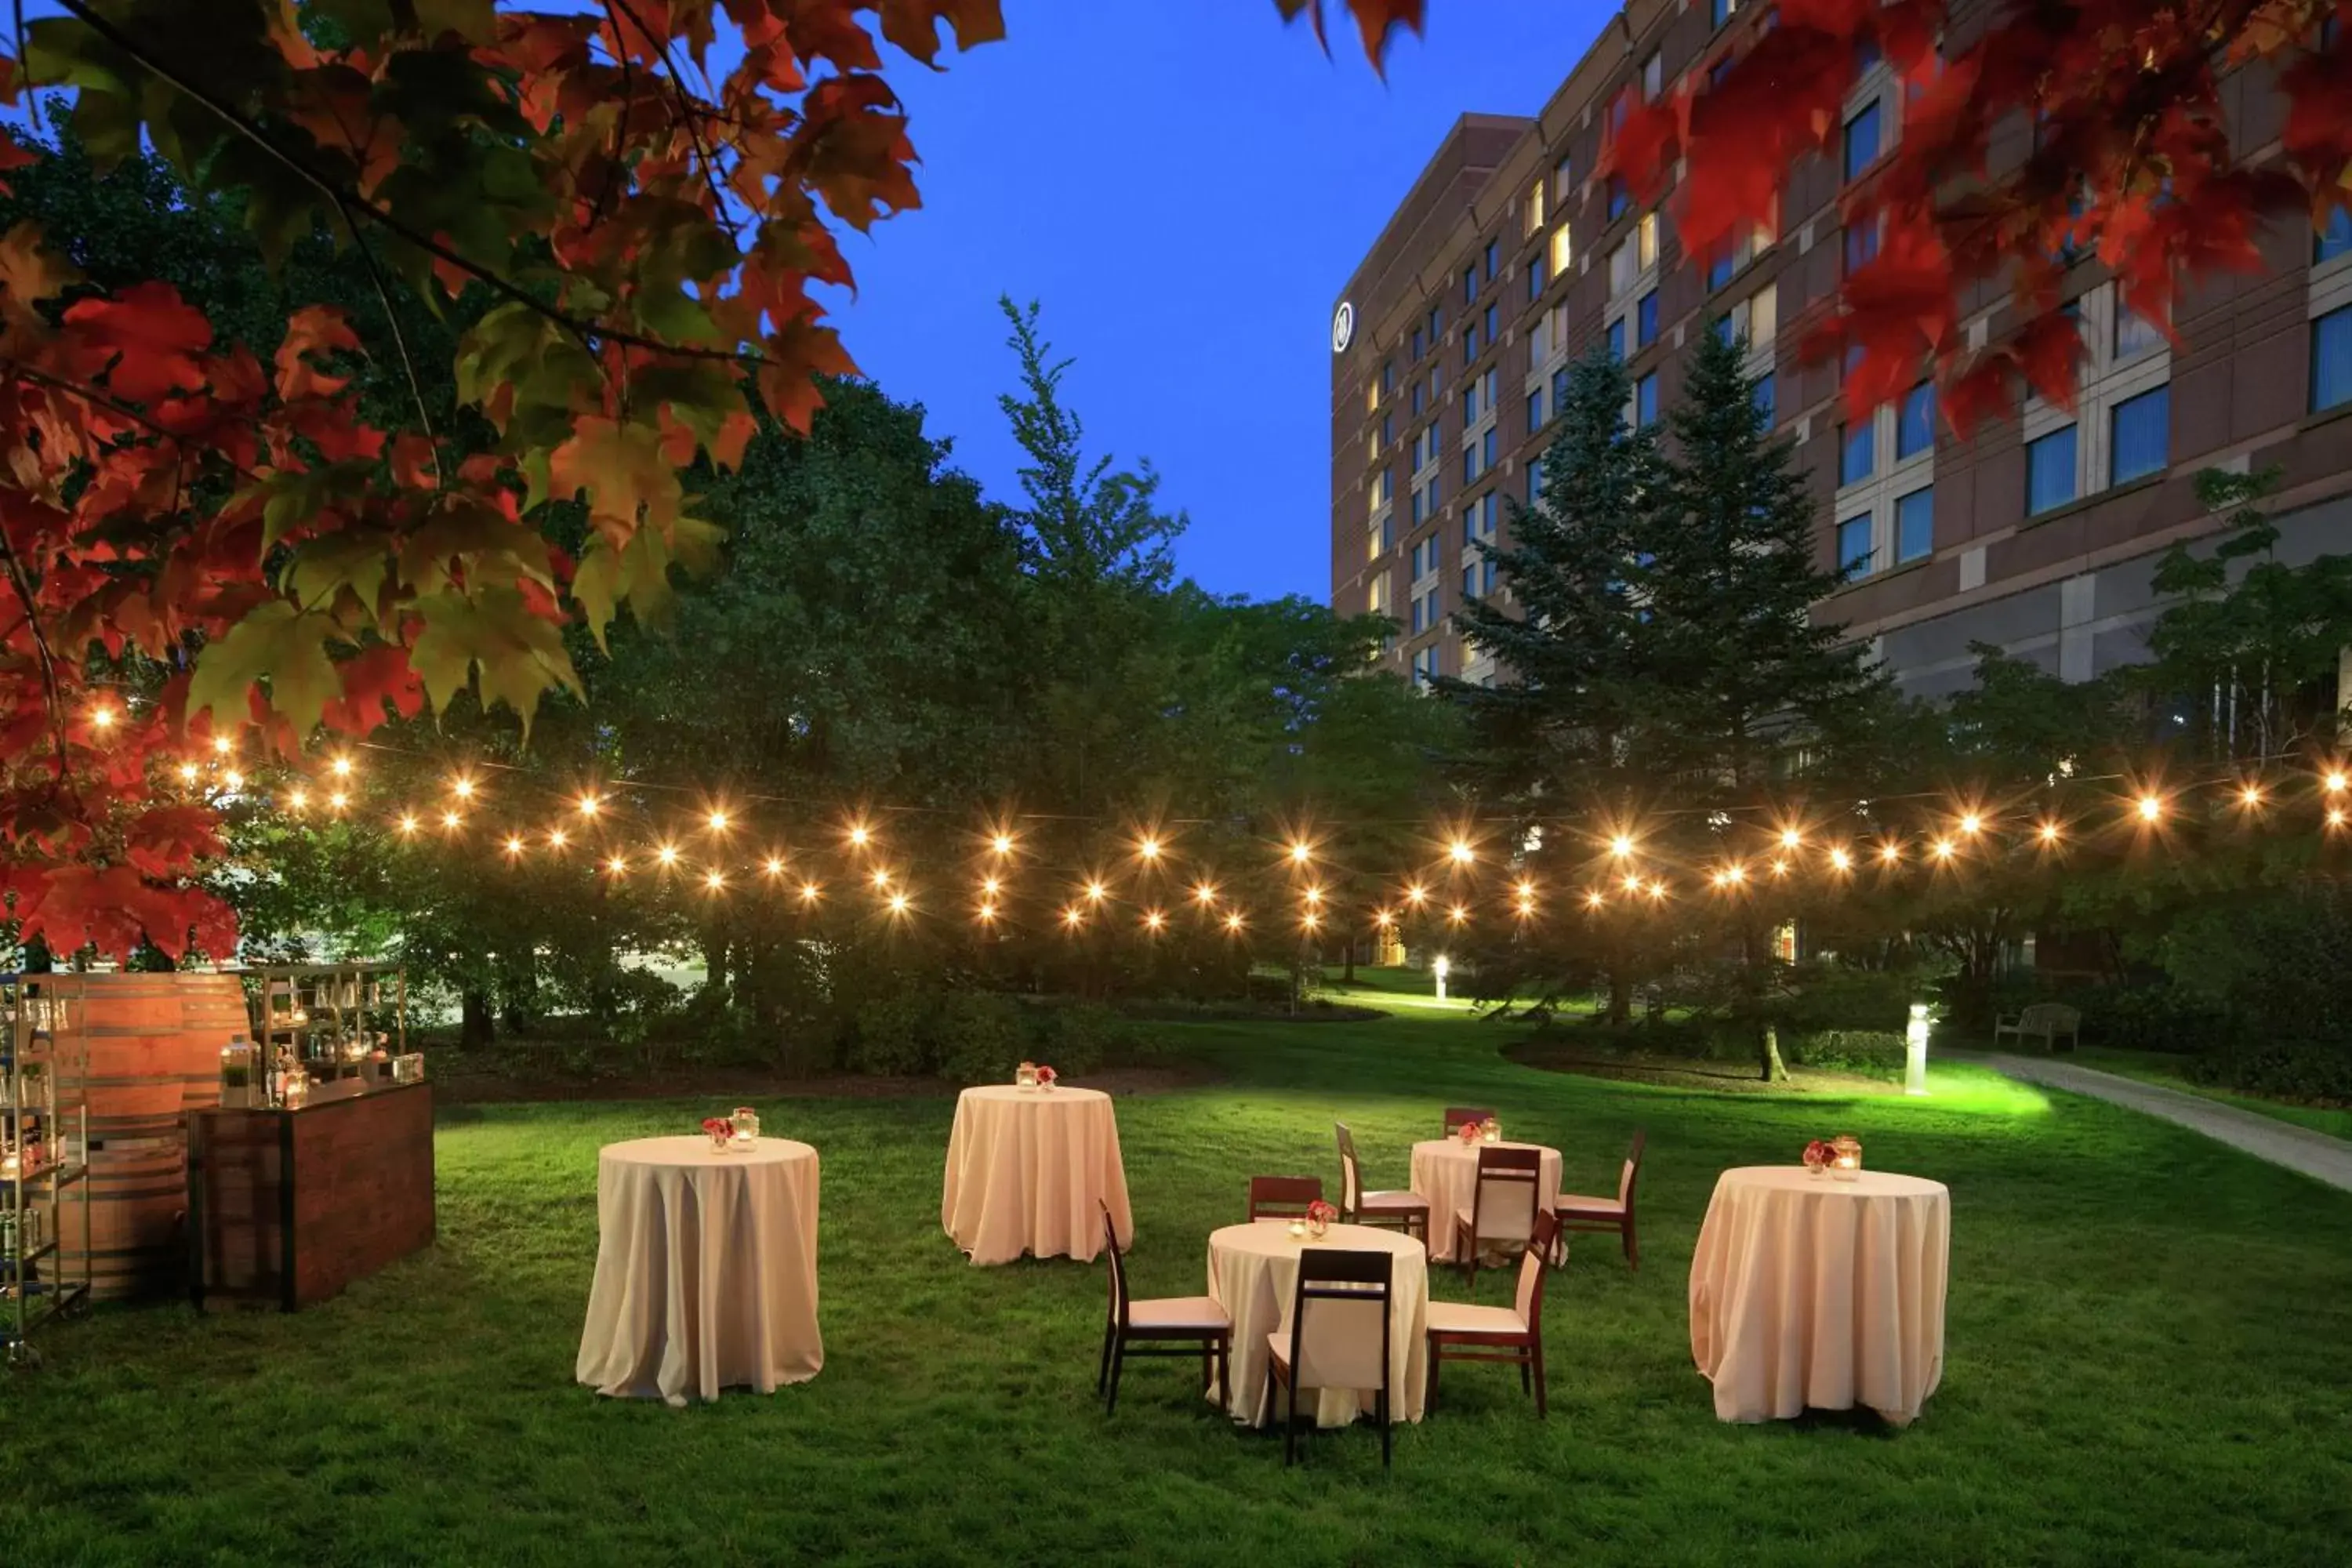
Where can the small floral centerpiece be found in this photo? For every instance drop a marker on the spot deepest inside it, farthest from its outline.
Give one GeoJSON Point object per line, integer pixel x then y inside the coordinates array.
{"type": "Point", "coordinates": [721, 1131]}
{"type": "Point", "coordinates": [1025, 1076]}
{"type": "Point", "coordinates": [1471, 1131]}
{"type": "Point", "coordinates": [1817, 1154]}
{"type": "Point", "coordinates": [1491, 1131]}
{"type": "Point", "coordinates": [1845, 1157]}
{"type": "Point", "coordinates": [1320, 1216]}
{"type": "Point", "coordinates": [1047, 1078]}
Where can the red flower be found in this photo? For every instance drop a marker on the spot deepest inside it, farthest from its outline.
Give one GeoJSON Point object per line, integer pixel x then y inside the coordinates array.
{"type": "Point", "coordinates": [719, 1126]}
{"type": "Point", "coordinates": [1321, 1212]}
{"type": "Point", "coordinates": [1047, 1075]}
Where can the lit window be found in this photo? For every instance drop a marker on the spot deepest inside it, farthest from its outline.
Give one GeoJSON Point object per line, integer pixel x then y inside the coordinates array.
{"type": "Point", "coordinates": [1645, 399]}
{"type": "Point", "coordinates": [2134, 333]}
{"type": "Point", "coordinates": [2331, 358]}
{"type": "Point", "coordinates": [2050, 471]}
{"type": "Point", "coordinates": [1764, 394]}
{"type": "Point", "coordinates": [1914, 430]}
{"type": "Point", "coordinates": [1619, 198]}
{"type": "Point", "coordinates": [1563, 252]}
{"type": "Point", "coordinates": [1861, 140]}
{"type": "Point", "coordinates": [2336, 239]}
{"type": "Point", "coordinates": [2142, 433]}
{"type": "Point", "coordinates": [1534, 217]}
{"type": "Point", "coordinates": [1646, 231]}
{"type": "Point", "coordinates": [1646, 319]}
{"type": "Point", "coordinates": [1853, 546]}
{"type": "Point", "coordinates": [1857, 454]}
{"type": "Point", "coordinates": [1915, 524]}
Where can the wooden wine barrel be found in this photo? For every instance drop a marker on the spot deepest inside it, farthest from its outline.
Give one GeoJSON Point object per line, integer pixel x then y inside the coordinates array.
{"type": "Point", "coordinates": [155, 1046]}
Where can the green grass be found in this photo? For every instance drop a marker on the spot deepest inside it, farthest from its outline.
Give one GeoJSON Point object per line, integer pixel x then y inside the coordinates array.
{"type": "Point", "coordinates": [2145, 1362]}
{"type": "Point", "coordinates": [2163, 1072]}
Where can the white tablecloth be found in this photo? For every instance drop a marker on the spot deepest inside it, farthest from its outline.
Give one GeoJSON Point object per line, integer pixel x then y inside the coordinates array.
{"type": "Point", "coordinates": [705, 1269]}
{"type": "Point", "coordinates": [1254, 1275]}
{"type": "Point", "coordinates": [1810, 1291]}
{"type": "Point", "coordinates": [1026, 1168]}
{"type": "Point", "coordinates": [1446, 1171]}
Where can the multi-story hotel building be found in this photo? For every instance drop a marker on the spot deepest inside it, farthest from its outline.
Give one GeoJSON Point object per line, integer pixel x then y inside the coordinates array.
{"type": "Point", "coordinates": [1507, 260]}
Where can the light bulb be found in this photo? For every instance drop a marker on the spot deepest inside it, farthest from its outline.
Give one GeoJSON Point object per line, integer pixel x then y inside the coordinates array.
{"type": "Point", "coordinates": [1970, 824]}
{"type": "Point", "coordinates": [1458, 914]}
{"type": "Point", "coordinates": [1735, 875]}
{"type": "Point", "coordinates": [1891, 853]}
{"type": "Point", "coordinates": [338, 801]}
{"type": "Point", "coordinates": [1780, 867]}
{"type": "Point", "coordinates": [1461, 853]}
{"type": "Point", "coordinates": [407, 824]}
{"type": "Point", "coordinates": [1233, 922]}
{"type": "Point", "coordinates": [1073, 916]}
{"type": "Point", "coordinates": [557, 838]}
{"type": "Point", "coordinates": [666, 854]}
{"type": "Point", "coordinates": [714, 881]}
{"type": "Point", "coordinates": [514, 846]}
{"type": "Point", "coordinates": [989, 885]}
{"type": "Point", "coordinates": [222, 745]}
{"type": "Point", "coordinates": [1205, 893]}
{"type": "Point", "coordinates": [1791, 838]}
{"type": "Point", "coordinates": [858, 835]}
{"type": "Point", "coordinates": [810, 892]}
{"type": "Point", "coordinates": [882, 876]}
{"type": "Point", "coordinates": [101, 718]}
{"type": "Point", "coordinates": [897, 903]}
{"type": "Point", "coordinates": [1633, 884]}
{"type": "Point", "coordinates": [1595, 898]}
{"type": "Point", "coordinates": [462, 787]}
{"type": "Point", "coordinates": [341, 767]}
{"type": "Point", "coordinates": [451, 820]}
{"type": "Point", "coordinates": [1943, 847]}
{"type": "Point", "coordinates": [1621, 845]}
{"type": "Point", "coordinates": [2251, 796]}
{"type": "Point", "coordinates": [1841, 860]}
{"type": "Point", "coordinates": [296, 799]}
{"type": "Point", "coordinates": [717, 821]}
{"type": "Point", "coordinates": [2337, 783]}
{"type": "Point", "coordinates": [2151, 807]}
{"type": "Point", "coordinates": [1657, 889]}
{"type": "Point", "coordinates": [589, 805]}
{"type": "Point", "coordinates": [2049, 833]}
{"type": "Point", "coordinates": [616, 865]}
{"type": "Point", "coordinates": [1300, 853]}
{"type": "Point", "coordinates": [1094, 892]}
{"type": "Point", "coordinates": [1416, 894]}
{"type": "Point", "coordinates": [988, 912]}
{"type": "Point", "coordinates": [233, 779]}
{"type": "Point", "coordinates": [1149, 848]}
{"type": "Point", "coordinates": [1383, 918]}
{"type": "Point", "coordinates": [1314, 897]}
{"type": "Point", "coordinates": [1002, 844]}
{"type": "Point", "coordinates": [187, 773]}
{"type": "Point", "coordinates": [1153, 919]}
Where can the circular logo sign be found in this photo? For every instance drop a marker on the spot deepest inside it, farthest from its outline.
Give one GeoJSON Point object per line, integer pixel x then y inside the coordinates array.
{"type": "Point", "coordinates": [1343, 327]}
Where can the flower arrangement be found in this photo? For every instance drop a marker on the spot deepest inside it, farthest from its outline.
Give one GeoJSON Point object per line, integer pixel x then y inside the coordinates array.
{"type": "Point", "coordinates": [1817, 1156]}
{"type": "Point", "coordinates": [1471, 1131]}
{"type": "Point", "coordinates": [1320, 1216]}
{"type": "Point", "coordinates": [1046, 1077]}
{"type": "Point", "coordinates": [721, 1131]}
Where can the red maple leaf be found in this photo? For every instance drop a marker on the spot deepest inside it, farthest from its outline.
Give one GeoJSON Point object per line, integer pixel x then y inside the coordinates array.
{"type": "Point", "coordinates": [145, 341]}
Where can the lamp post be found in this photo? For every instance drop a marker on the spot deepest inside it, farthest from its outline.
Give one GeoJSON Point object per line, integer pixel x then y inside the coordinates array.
{"type": "Point", "coordinates": [1438, 966]}
{"type": "Point", "coordinates": [1915, 1051]}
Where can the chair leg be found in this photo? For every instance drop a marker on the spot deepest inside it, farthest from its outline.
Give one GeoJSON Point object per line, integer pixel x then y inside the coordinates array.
{"type": "Point", "coordinates": [1225, 1376]}
{"type": "Point", "coordinates": [1526, 1376]}
{"type": "Point", "coordinates": [1289, 1421]}
{"type": "Point", "coordinates": [1102, 1373]}
{"type": "Point", "coordinates": [1537, 1351]}
{"type": "Point", "coordinates": [1632, 1249]}
{"type": "Point", "coordinates": [1205, 1370]}
{"type": "Point", "coordinates": [1117, 1365]}
{"type": "Point", "coordinates": [1382, 1407]}
{"type": "Point", "coordinates": [1429, 1381]}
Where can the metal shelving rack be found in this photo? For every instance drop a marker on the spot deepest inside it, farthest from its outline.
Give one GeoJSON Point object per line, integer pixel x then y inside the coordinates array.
{"type": "Point", "coordinates": [44, 1156]}
{"type": "Point", "coordinates": [328, 1015]}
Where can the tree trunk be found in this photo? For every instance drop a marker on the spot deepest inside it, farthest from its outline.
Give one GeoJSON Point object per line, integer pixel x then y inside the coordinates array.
{"type": "Point", "coordinates": [476, 1025]}
{"type": "Point", "coordinates": [716, 974]}
{"type": "Point", "coordinates": [1348, 962]}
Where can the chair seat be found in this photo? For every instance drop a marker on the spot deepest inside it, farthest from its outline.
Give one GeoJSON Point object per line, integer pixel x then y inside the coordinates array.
{"type": "Point", "coordinates": [1168, 1314]}
{"type": "Point", "coordinates": [1391, 1202]}
{"type": "Point", "coordinates": [1597, 1208]}
{"type": "Point", "coordinates": [1461, 1320]}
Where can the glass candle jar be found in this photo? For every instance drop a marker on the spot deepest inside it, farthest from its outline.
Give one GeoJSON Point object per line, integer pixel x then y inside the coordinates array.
{"type": "Point", "coordinates": [747, 1126]}
{"type": "Point", "coordinates": [1025, 1076]}
{"type": "Point", "coordinates": [1845, 1158]}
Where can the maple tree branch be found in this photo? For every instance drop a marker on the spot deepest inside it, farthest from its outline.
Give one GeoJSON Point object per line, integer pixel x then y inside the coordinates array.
{"type": "Point", "coordinates": [392, 319]}
{"type": "Point", "coordinates": [48, 657]}
{"type": "Point", "coordinates": [588, 331]}
{"type": "Point", "coordinates": [113, 406]}
{"type": "Point", "coordinates": [684, 109]}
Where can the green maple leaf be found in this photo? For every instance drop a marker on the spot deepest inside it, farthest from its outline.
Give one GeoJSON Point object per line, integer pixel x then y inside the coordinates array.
{"type": "Point", "coordinates": [519, 655]}
{"type": "Point", "coordinates": [276, 642]}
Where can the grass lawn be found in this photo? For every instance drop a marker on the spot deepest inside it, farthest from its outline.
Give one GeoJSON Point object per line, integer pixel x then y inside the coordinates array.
{"type": "Point", "coordinates": [2145, 1362]}
{"type": "Point", "coordinates": [2163, 1072]}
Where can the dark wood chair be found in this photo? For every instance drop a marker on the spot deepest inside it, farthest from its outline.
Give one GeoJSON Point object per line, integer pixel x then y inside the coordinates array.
{"type": "Point", "coordinates": [1504, 1206]}
{"type": "Point", "coordinates": [1455, 1115]}
{"type": "Point", "coordinates": [1160, 1326]}
{"type": "Point", "coordinates": [1283, 1198]}
{"type": "Point", "coordinates": [1341, 1297]}
{"type": "Point", "coordinates": [1580, 1212]}
{"type": "Point", "coordinates": [1461, 1332]}
{"type": "Point", "coordinates": [1408, 1212]}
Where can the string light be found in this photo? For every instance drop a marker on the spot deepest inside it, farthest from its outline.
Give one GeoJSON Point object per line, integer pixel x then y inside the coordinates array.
{"type": "Point", "coordinates": [665, 855]}
{"type": "Point", "coordinates": [187, 773]}
{"type": "Point", "coordinates": [338, 801]}
{"type": "Point", "coordinates": [2048, 833]}
{"type": "Point", "coordinates": [1205, 894]}
{"type": "Point", "coordinates": [809, 893]}
{"type": "Point", "coordinates": [1791, 838]}
{"type": "Point", "coordinates": [589, 805]}
{"type": "Point", "coordinates": [341, 767]}
{"type": "Point", "coordinates": [773, 866]}
{"type": "Point", "coordinates": [1314, 897]}
{"type": "Point", "coordinates": [1657, 892]}
{"type": "Point", "coordinates": [617, 865]}
{"type": "Point", "coordinates": [1462, 852]}
{"type": "Point", "coordinates": [1840, 859]}
{"type": "Point", "coordinates": [2336, 817]}
{"type": "Point", "coordinates": [881, 876]}
{"type": "Point", "coordinates": [859, 835]}
{"type": "Point", "coordinates": [514, 847]}
{"type": "Point", "coordinates": [1153, 919]}
{"type": "Point", "coordinates": [296, 798]}
{"type": "Point", "coordinates": [407, 823]}
{"type": "Point", "coordinates": [2337, 782]}
{"type": "Point", "coordinates": [988, 885]}
{"type": "Point", "coordinates": [1943, 849]}
{"type": "Point", "coordinates": [1384, 919]}
{"type": "Point", "coordinates": [1312, 920]}
{"type": "Point", "coordinates": [2251, 797]}
{"type": "Point", "coordinates": [987, 913]}
{"type": "Point", "coordinates": [451, 821]}
{"type": "Point", "coordinates": [462, 787]}
{"type": "Point", "coordinates": [1001, 844]}
{"type": "Point", "coordinates": [1971, 825]}
{"type": "Point", "coordinates": [1780, 867]}
{"type": "Point", "coordinates": [557, 838]}
{"type": "Point", "coordinates": [1094, 891]}
{"type": "Point", "coordinates": [233, 780]}
{"type": "Point", "coordinates": [1633, 883]}
{"type": "Point", "coordinates": [222, 745]}
{"type": "Point", "coordinates": [1301, 852]}
{"type": "Point", "coordinates": [715, 881]}
{"type": "Point", "coordinates": [717, 821]}
{"type": "Point", "coordinates": [1416, 894]}
{"type": "Point", "coordinates": [1734, 874]}
{"type": "Point", "coordinates": [101, 718]}
{"type": "Point", "coordinates": [1234, 921]}
{"type": "Point", "coordinates": [1620, 846]}
{"type": "Point", "coordinates": [1147, 847]}
{"type": "Point", "coordinates": [1458, 914]}
{"type": "Point", "coordinates": [2152, 808]}
{"type": "Point", "coordinates": [1074, 917]}
{"type": "Point", "coordinates": [897, 905]}
{"type": "Point", "coordinates": [1595, 898]}
{"type": "Point", "coordinates": [1890, 852]}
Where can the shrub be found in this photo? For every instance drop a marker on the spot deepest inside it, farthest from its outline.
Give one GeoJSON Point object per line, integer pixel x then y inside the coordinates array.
{"type": "Point", "coordinates": [897, 1034]}
{"type": "Point", "coordinates": [1081, 1038]}
{"type": "Point", "coordinates": [980, 1037]}
{"type": "Point", "coordinates": [1873, 1053]}
{"type": "Point", "coordinates": [2317, 1071]}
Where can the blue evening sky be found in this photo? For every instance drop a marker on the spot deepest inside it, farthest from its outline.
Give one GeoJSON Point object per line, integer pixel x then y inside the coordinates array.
{"type": "Point", "coordinates": [1185, 185]}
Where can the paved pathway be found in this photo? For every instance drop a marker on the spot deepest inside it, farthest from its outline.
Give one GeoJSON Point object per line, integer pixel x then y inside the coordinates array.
{"type": "Point", "coordinates": [2315, 1154]}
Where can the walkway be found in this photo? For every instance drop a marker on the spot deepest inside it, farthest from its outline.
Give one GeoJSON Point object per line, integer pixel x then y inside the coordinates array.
{"type": "Point", "coordinates": [2315, 1154]}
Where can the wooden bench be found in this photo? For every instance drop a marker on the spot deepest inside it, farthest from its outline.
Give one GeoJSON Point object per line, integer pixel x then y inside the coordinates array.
{"type": "Point", "coordinates": [2045, 1021]}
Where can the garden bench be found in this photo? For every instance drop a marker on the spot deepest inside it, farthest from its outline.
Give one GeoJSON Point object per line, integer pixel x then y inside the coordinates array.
{"type": "Point", "coordinates": [2045, 1021]}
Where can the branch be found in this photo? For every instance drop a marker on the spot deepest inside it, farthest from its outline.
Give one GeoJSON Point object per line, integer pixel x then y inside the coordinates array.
{"type": "Point", "coordinates": [48, 662]}
{"type": "Point", "coordinates": [684, 109]}
{"type": "Point", "coordinates": [113, 406]}
{"type": "Point", "coordinates": [587, 331]}
{"type": "Point", "coordinates": [391, 318]}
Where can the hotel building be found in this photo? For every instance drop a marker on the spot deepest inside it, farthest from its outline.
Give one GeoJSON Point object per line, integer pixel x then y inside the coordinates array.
{"type": "Point", "coordinates": [1507, 260]}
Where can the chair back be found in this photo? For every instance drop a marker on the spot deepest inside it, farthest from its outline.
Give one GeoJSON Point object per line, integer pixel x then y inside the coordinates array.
{"type": "Point", "coordinates": [1118, 1295]}
{"type": "Point", "coordinates": [1340, 1318]}
{"type": "Point", "coordinates": [1283, 1198]}
{"type": "Point", "coordinates": [1351, 1175]}
{"type": "Point", "coordinates": [1503, 1207]}
{"type": "Point", "coordinates": [1455, 1115]}
{"type": "Point", "coordinates": [1632, 1171]}
{"type": "Point", "coordinates": [1533, 1267]}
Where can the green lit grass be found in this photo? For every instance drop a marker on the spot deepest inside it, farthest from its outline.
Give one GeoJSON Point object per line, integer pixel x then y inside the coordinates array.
{"type": "Point", "coordinates": [2146, 1361]}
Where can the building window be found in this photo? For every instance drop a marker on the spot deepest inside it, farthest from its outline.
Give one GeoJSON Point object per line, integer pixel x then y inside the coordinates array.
{"type": "Point", "coordinates": [2142, 435]}
{"type": "Point", "coordinates": [1719, 270]}
{"type": "Point", "coordinates": [1534, 411]}
{"type": "Point", "coordinates": [1559, 390]}
{"type": "Point", "coordinates": [1645, 320]}
{"type": "Point", "coordinates": [1645, 399]}
{"type": "Point", "coordinates": [1646, 234]}
{"type": "Point", "coordinates": [1470, 403]}
{"type": "Point", "coordinates": [2134, 333]}
{"type": "Point", "coordinates": [1719, 11]}
{"type": "Point", "coordinates": [2331, 358]}
{"type": "Point", "coordinates": [1563, 179]}
{"type": "Point", "coordinates": [1853, 546]}
{"type": "Point", "coordinates": [1619, 198]}
{"type": "Point", "coordinates": [1490, 260]}
{"type": "Point", "coordinates": [1534, 266]}
{"type": "Point", "coordinates": [1416, 345]}
{"type": "Point", "coordinates": [1493, 383]}
{"type": "Point", "coordinates": [1563, 252]}
{"type": "Point", "coordinates": [1433, 324]}
{"type": "Point", "coordinates": [1469, 342]}
{"type": "Point", "coordinates": [1470, 285]}
{"type": "Point", "coordinates": [1419, 517]}
{"type": "Point", "coordinates": [1617, 339]}
{"type": "Point", "coordinates": [1915, 524]}
{"type": "Point", "coordinates": [1535, 483]}
{"type": "Point", "coordinates": [1764, 393]}
{"type": "Point", "coordinates": [1862, 244]}
{"type": "Point", "coordinates": [1490, 508]}
{"type": "Point", "coordinates": [1380, 488]}
{"type": "Point", "coordinates": [2336, 239]}
{"type": "Point", "coordinates": [2050, 471]}
{"type": "Point", "coordinates": [1654, 77]}
{"type": "Point", "coordinates": [1488, 444]}
{"type": "Point", "coordinates": [1387, 376]}
{"type": "Point", "coordinates": [1861, 140]}
{"type": "Point", "coordinates": [1624, 267]}
{"type": "Point", "coordinates": [1470, 463]}
{"type": "Point", "coordinates": [1416, 400]}
{"type": "Point", "coordinates": [1857, 453]}
{"type": "Point", "coordinates": [1915, 426]}
{"type": "Point", "coordinates": [1492, 335]}
{"type": "Point", "coordinates": [1532, 217]}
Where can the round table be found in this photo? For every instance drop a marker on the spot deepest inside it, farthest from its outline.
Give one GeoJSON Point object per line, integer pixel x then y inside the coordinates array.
{"type": "Point", "coordinates": [1807, 1292]}
{"type": "Point", "coordinates": [705, 1269]}
{"type": "Point", "coordinates": [1446, 1171]}
{"type": "Point", "coordinates": [1254, 1275]}
{"type": "Point", "coordinates": [1026, 1171]}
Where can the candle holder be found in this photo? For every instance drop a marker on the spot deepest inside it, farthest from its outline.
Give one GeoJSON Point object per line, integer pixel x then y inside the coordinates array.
{"type": "Point", "coordinates": [1025, 1076]}
{"type": "Point", "coordinates": [1845, 1157]}
{"type": "Point", "coordinates": [1491, 1131]}
{"type": "Point", "coordinates": [746, 1122]}
{"type": "Point", "coordinates": [1298, 1230]}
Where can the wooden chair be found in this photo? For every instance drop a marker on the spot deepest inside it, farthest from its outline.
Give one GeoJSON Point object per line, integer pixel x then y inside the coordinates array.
{"type": "Point", "coordinates": [1503, 1206]}
{"type": "Point", "coordinates": [1455, 1115]}
{"type": "Point", "coordinates": [1327, 1344]}
{"type": "Point", "coordinates": [1164, 1326]}
{"type": "Point", "coordinates": [1460, 1331]}
{"type": "Point", "coordinates": [1615, 1213]}
{"type": "Point", "coordinates": [1283, 1198]}
{"type": "Point", "coordinates": [1408, 1212]}
{"type": "Point", "coordinates": [2045, 1021]}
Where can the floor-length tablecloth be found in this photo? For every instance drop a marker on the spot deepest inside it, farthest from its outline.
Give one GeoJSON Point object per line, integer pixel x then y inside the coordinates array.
{"type": "Point", "coordinates": [1446, 1171]}
{"type": "Point", "coordinates": [705, 1269]}
{"type": "Point", "coordinates": [1026, 1168]}
{"type": "Point", "coordinates": [1807, 1292]}
{"type": "Point", "coordinates": [1254, 1275]}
